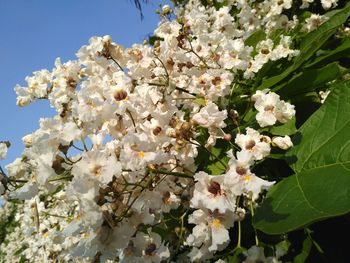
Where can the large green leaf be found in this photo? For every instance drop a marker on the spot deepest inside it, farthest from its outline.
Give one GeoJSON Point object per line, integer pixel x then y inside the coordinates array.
{"type": "Point", "coordinates": [325, 136]}
{"type": "Point", "coordinates": [321, 186]}
{"type": "Point", "coordinates": [343, 50]}
{"type": "Point", "coordinates": [311, 43]}
{"type": "Point", "coordinates": [309, 80]}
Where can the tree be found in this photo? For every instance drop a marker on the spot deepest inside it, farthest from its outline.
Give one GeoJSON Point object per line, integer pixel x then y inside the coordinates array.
{"type": "Point", "coordinates": [212, 142]}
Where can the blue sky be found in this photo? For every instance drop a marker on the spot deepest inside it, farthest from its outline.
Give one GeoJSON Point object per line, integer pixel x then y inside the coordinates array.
{"type": "Point", "coordinates": [34, 32]}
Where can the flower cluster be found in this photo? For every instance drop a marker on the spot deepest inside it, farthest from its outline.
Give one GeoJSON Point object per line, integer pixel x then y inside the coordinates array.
{"type": "Point", "coordinates": [119, 165]}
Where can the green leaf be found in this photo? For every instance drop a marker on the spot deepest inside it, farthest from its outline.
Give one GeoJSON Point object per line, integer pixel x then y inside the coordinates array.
{"type": "Point", "coordinates": [309, 196]}
{"type": "Point", "coordinates": [315, 39]}
{"type": "Point", "coordinates": [276, 35]}
{"type": "Point", "coordinates": [249, 116]}
{"type": "Point", "coordinates": [320, 187]}
{"type": "Point", "coordinates": [255, 38]}
{"type": "Point", "coordinates": [200, 101]}
{"type": "Point", "coordinates": [217, 167]}
{"type": "Point", "coordinates": [20, 250]}
{"type": "Point", "coordinates": [317, 246]}
{"type": "Point", "coordinates": [153, 39]}
{"type": "Point", "coordinates": [276, 156]}
{"type": "Point", "coordinates": [309, 80]}
{"type": "Point", "coordinates": [220, 4]}
{"type": "Point", "coordinates": [307, 245]}
{"type": "Point", "coordinates": [284, 129]}
{"type": "Point", "coordinates": [311, 43]}
{"type": "Point", "coordinates": [214, 160]}
{"type": "Point", "coordinates": [325, 136]}
{"type": "Point", "coordinates": [23, 259]}
{"type": "Point", "coordinates": [343, 49]}
{"type": "Point", "coordinates": [236, 256]}
{"type": "Point", "coordinates": [284, 244]}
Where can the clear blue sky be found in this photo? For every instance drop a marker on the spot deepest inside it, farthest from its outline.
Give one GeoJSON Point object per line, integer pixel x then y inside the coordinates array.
{"type": "Point", "coordinates": [34, 32]}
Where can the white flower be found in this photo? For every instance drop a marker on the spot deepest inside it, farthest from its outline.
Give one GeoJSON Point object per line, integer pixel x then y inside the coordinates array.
{"type": "Point", "coordinates": [240, 180]}
{"type": "Point", "coordinates": [237, 56]}
{"type": "Point", "coordinates": [139, 151]}
{"type": "Point", "coordinates": [241, 164]}
{"type": "Point", "coordinates": [271, 109]}
{"type": "Point", "coordinates": [28, 140]}
{"type": "Point", "coordinates": [24, 97]}
{"type": "Point", "coordinates": [313, 22]}
{"type": "Point", "coordinates": [210, 116]}
{"type": "Point", "coordinates": [283, 50]}
{"type": "Point", "coordinates": [209, 192]}
{"type": "Point", "coordinates": [275, 8]}
{"type": "Point", "coordinates": [253, 185]}
{"type": "Point", "coordinates": [17, 168]}
{"type": "Point", "coordinates": [305, 3]}
{"type": "Point", "coordinates": [26, 192]}
{"type": "Point", "coordinates": [151, 246]}
{"type": "Point", "coordinates": [38, 87]}
{"type": "Point", "coordinates": [282, 142]}
{"type": "Point", "coordinates": [169, 31]}
{"type": "Point", "coordinates": [211, 229]}
{"type": "Point", "coordinates": [258, 145]}
{"type": "Point", "coordinates": [266, 105]}
{"type": "Point", "coordinates": [44, 167]}
{"type": "Point", "coordinates": [97, 165]}
{"type": "Point", "coordinates": [326, 4]}
{"type": "Point", "coordinates": [3, 150]}
{"type": "Point", "coordinates": [200, 254]}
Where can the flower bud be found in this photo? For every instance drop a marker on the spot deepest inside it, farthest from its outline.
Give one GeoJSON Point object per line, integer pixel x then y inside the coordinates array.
{"type": "Point", "coordinates": [28, 140]}
{"type": "Point", "coordinates": [166, 10]}
{"type": "Point", "coordinates": [227, 137]}
{"type": "Point", "coordinates": [107, 39]}
{"type": "Point", "coordinates": [24, 101]}
{"type": "Point", "coordinates": [3, 150]}
{"type": "Point", "coordinates": [283, 143]}
{"type": "Point", "coordinates": [233, 114]}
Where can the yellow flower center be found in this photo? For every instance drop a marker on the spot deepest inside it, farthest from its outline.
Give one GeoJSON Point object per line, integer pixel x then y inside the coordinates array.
{"type": "Point", "coordinates": [96, 170]}
{"type": "Point", "coordinates": [246, 178]}
{"type": "Point", "coordinates": [216, 223]}
{"type": "Point", "coordinates": [141, 154]}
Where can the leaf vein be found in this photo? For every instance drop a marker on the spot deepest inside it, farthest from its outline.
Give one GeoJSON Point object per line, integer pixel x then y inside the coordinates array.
{"type": "Point", "coordinates": [306, 200]}
{"type": "Point", "coordinates": [283, 197]}
{"type": "Point", "coordinates": [322, 144]}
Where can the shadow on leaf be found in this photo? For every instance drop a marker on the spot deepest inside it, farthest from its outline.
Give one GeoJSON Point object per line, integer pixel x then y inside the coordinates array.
{"type": "Point", "coordinates": [265, 214]}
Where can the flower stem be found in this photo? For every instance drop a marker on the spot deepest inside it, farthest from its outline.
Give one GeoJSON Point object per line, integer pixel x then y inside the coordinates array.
{"type": "Point", "coordinates": [161, 171]}
{"type": "Point", "coordinates": [255, 233]}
